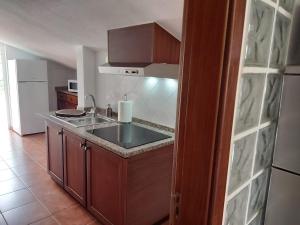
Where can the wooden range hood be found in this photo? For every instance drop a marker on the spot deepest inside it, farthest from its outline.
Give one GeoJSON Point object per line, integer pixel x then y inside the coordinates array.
{"type": "Point", "coordinates": [142, 50]}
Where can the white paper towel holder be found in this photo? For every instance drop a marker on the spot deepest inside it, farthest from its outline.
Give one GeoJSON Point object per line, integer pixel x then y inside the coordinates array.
{"type": "Point", "coordinates": [125, 110]}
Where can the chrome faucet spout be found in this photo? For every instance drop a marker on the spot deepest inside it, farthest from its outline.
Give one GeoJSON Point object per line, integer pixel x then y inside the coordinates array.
{"type": "Point", "coordinates": [93, 109]}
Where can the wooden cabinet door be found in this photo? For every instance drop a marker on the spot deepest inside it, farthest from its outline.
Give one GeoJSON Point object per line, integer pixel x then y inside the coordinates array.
{"type": "Point", "coordinates": [105, 180]}
{"type": "Point", "coordinates": [55, 152]}
{"type": "Point", "coordinates": [75, 166]}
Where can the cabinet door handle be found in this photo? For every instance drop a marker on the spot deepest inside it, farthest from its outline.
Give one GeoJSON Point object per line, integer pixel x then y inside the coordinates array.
{"type": "Point", "coordinates": [59, 132]}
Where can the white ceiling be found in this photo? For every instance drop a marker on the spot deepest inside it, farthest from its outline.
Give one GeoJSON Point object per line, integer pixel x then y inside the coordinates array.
{"type": "Point", "coordinates": [53, 28]}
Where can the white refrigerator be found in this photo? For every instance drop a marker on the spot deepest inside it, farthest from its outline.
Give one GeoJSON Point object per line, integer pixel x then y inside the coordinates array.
{"type": "Point", "coordinates": [28, 88]}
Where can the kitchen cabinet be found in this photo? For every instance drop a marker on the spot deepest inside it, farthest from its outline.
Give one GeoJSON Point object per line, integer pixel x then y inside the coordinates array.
{"type": "Point", "coordinates": [105, 184]}
{"type": "Point", "coordinates": [133, 191]}
{"type": "Point", "coordinates": [66, 100]}
{"type": "Point", "coordinates": [55, 152]}
{"type": "Point", "coordinates": [74, 166]}
{"type": "Point", "coordinates": [116, 190]}
{"type": "Point", "coordinates": [148, 186]}
{"type": "Point", "coordinates": [142, 44]}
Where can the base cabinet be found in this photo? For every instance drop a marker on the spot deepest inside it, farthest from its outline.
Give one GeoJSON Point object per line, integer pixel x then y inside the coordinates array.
{"type": "Point", "coordinates": [134, 191]}
{"type": "Point", "coordinates": [55, 152]}
{"type": "Point", "coordinates": [105, 185]}
{"type": "Point", "coordinates": [148, 186]}
{"type": "Point", "coordinates": [74, 166]}
{"type": "Point", "coordinates": [116, 190]}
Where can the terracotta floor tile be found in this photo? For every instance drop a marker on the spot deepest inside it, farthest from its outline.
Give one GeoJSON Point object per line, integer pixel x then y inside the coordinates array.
{"type": "Point", "coordinates": [11, 185]}
{"type": "Point", "coordinates": [26, 169]}
{"type": "Point", "coordinates": [15, 199]}
{"type": "Point", "coordinates": [2, 221]}
{"type": "Point", "coordinates": [35, 179]}
{"type": "Point", "coordinates": [74, 216]}
{"type": "Point", "coordinates": [25, 159]}
{"type": "Point", "coordinates": [45, 188]}
{"type": "Point", "coordinates": [26, 214]}
{"type": "Point", "coordinates": [53, 197]}
{"type": "Point", "coordinates": [32, 148]}
{"type": "Point", "coordinates": [43, 162]}
{"type": "Point", "coordinates": [38, 155]}
{"type": "Point", "coordinates": [14, 162]}
{"type": "Point", "coordinates": [6, 175]}
{"type": "Point", "coordinates": [46, 221]}
{"type": "Point", "coordinates": [7, 155]}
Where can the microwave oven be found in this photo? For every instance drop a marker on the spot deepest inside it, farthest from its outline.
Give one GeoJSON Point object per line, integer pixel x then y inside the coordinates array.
{"type": "Point", "coordinates": [72, 85]}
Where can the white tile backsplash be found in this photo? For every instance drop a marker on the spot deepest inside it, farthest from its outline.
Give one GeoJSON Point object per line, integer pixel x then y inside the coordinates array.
{"type": "Point", "coordinates": [155, 99]}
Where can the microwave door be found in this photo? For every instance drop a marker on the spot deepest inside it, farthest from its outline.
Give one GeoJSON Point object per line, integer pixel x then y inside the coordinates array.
{"type": "Point", "coordinates": [72, 86]}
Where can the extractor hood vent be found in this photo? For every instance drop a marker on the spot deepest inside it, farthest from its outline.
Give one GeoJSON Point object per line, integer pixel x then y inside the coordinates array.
{"type": "Point", "coordinates": [143, 50]}
{"type": "Point", "coordinates": [161, 70]}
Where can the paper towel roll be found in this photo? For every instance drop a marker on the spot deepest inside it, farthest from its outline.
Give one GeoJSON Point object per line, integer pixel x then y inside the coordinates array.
{"type": "Point", "coordinates": [125, 111]}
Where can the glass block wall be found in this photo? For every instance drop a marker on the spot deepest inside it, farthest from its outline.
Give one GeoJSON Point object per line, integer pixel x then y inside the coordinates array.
{"type": "Point", "coordinates": [266, 37]}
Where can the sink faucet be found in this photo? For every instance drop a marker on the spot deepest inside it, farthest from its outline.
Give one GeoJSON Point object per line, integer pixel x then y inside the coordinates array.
{"type": "Point", "coordinates": [93, 109]}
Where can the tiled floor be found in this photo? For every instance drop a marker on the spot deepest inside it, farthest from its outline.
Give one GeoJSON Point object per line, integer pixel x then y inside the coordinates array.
{"type": "Point", "coordinates": [27, 193]}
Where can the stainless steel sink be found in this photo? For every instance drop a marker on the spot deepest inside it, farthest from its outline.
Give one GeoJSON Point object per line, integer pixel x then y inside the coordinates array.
{"type": "Point", "coordinates": [85, 121]}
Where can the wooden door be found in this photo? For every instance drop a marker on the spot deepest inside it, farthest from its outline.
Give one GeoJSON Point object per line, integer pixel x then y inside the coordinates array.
{"type": "Point", "coordinates": [55, 152]}
{"type": "Point", "coordinates": [105, 185]}
{"type": "Point", "coordinates": [210, 57]}
{"type": "Point", "coordinates": [75, 166]}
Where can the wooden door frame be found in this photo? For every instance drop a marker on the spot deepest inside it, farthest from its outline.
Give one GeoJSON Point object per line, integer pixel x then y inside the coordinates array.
{"type": "Point", "coordinates": [210, 58]}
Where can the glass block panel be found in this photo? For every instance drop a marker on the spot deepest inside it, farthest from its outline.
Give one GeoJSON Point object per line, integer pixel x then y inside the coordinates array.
{"type": "Point", "coordinates": [258, 220]}
{"type": "Point", "coordinates": [272, 98]}
{"type": "Point", "coordinates": [236, 209]}
{"type": "Point", "coordinates": [249, 101]}
{"type": "Point", "coordinates": [258, 193]}
{"type": "Point", "coordinates": [259, 34]}
{"type": "Point", "coordinates": [265, 148]}
{"type": "Point", "coordinates": [241, 162]}
{"type": "Point", "coordinates": [280, 43]}
{"type": "Point", "coordinates": [288, 5]}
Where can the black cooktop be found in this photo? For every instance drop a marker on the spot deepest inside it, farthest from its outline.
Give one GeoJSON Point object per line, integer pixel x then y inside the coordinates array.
{"type": "Point", "coordinates": [128, 135]}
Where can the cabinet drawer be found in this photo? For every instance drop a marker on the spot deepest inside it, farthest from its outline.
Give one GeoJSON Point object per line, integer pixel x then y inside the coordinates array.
{"type": "Point", "coordinates": [72, 99]}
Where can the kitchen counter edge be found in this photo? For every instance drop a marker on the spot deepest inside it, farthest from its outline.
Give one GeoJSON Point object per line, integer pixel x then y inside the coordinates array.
{"type": "Point", "coordinates": [123, 152]}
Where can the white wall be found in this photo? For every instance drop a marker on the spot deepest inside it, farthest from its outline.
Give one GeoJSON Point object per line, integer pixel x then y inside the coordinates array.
{"type": "Point", "coordinates": [86, 72]}
{"type": "Point", "coordinates": [14, 53]}
{"type": "Point", "coordinates": [58, 75]}
{"type": "Point", "coordinates": [155, 99]}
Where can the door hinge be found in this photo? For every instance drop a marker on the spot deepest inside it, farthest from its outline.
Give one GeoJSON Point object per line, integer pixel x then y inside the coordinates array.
{"type": "Point", "coordinates": [176, 200]}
